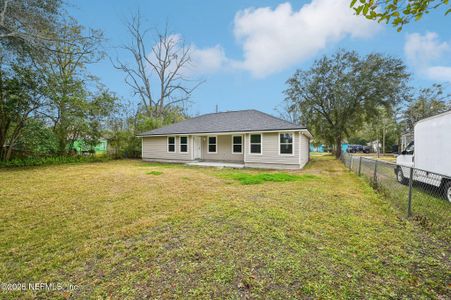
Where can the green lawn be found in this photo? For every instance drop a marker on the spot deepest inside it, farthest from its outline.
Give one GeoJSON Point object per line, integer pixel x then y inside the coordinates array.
{"type": "Point", "coordinates": [127, 229]}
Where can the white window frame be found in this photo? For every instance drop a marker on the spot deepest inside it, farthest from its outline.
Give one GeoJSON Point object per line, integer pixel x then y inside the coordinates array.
{"type": "Point", "coordinates": [292, 144]}
{"type": "Point", "coordinates": [175, 144]}
{"type": "Point", "coordinates": [208, 144]}
{"type": "Point", "coordinates": [233, 144]}
{"type": "Point", "coordinates": [261, 143]}
{"type": "Point", "coordinates": [180, 144]}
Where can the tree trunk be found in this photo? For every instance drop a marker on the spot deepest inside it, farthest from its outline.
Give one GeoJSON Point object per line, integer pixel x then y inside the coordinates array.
{"type": "Point", "coordinates": [338, 149]}
{"type": "Point", "coordinates": [378, 148]}
{"type": "Point", "coordinates": [6, 146]}
{"type": "Point", "coordinates": [61, 135]}
{"type": "Point", "coordinates": [12, 142]}
{"type": "Point", "coordinates": [9, 152]}
{"type": "Point", "coordinates": [62, 144]}
{"type": "Point", "coordinates": [4, 127]}
{"type": "Point", "coordinates": [2, 148]}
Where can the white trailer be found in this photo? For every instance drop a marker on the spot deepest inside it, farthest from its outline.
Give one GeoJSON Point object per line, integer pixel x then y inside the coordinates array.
{"type": "Point", "coordinates": [429, 154]}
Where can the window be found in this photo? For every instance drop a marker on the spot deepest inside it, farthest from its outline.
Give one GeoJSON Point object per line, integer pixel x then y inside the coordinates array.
{"type": "Point", "coordinates": [237, 144]}
{"type": "Point", "coordinates": [211, 144]}
{"type": "Point", "coordinates": [286, 143]}
{"type": "Point", "coordinates": [410, 148]}
{"type": "Point", "coordinates": [183, 144]}
{"type": "Point", "coordinates": [171, 143]}
{"type": "Point", "coordinates": [256, 143]}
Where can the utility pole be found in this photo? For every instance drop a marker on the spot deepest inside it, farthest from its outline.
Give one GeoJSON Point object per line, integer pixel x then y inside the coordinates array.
{"type": "Point", "coordinates": [217, 108]}
{"type": "Point", "coordinates": [378, 147]}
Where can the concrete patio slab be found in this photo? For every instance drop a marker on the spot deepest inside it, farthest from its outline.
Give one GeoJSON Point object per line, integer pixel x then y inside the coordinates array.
{"type": "Point", "coordinates": [216, 164]}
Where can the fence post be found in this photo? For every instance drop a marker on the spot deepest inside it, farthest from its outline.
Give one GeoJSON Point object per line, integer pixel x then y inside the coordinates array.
{"type": "Point", "coordinates": [375, 173]}
{"type": "Point", "coordinates": [350, 163]}
{"type": "Point", "coordinates": [360, 165]}
{"type": "Point", "coordinates": [409, 204]}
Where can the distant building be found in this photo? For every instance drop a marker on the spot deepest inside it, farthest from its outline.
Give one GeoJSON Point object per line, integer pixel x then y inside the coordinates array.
{"type": "Point", "coordinates": [374, 146]}
{"type": "Point", "coordinates": [344, 147]}
{"type": "Point", "coordinates": [320, 148]}
{"type": "Point", "coordinates": [323, 148]}
{"type": "Point", "coordinates": [81, 148]}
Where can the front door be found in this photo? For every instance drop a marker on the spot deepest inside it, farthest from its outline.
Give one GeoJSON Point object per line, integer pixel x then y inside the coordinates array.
{"type": "Point", "coordinates": [197, 147]}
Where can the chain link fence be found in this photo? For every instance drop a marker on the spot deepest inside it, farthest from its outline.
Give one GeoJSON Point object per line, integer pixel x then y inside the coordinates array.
{"type": "Point", "coordinates": [423, 196]}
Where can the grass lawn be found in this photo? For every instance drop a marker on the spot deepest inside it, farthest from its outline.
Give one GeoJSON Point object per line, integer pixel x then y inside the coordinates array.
{"type": "Point", "coordinates": [127, 229]}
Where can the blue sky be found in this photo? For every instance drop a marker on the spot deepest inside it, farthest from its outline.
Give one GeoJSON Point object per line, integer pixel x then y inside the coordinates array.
{"type": "Point", "coordinates": [246, 50]}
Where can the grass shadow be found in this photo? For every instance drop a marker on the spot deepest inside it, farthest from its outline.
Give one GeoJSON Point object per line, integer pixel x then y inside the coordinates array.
{"type": "Point", "coordinates": [154, 173]}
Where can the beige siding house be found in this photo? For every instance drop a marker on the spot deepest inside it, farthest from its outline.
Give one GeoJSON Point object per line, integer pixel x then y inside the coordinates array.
{"type": "Point", "coordinates": [249, 137]}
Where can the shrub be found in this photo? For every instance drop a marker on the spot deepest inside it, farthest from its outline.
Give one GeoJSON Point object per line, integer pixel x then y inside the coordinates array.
{"type": "Point", "coordinates": [52, 160]}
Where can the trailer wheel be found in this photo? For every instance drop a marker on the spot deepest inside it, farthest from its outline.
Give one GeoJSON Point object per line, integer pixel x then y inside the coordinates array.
{"type": "Point", "coordinates": [447, 190]}
{"type": "Point", "coordinates": [400, 176]}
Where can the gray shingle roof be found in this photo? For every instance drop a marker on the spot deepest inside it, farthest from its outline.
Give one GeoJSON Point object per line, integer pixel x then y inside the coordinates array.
{"type": "Point", "coordinates": [232, 121]}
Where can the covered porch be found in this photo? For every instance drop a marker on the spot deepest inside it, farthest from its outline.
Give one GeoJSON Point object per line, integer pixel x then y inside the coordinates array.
{"type": "Point", "coordinates": [222, 149]}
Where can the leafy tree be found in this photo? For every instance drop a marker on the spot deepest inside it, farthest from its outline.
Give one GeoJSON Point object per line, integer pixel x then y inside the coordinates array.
{"type": "Point", "coordinates": [126, 124]}
{"type": "Point", "coordinates": [397, 12]}
{"type": "Point", "coordinates": [44, 86]}
{"type": "Point", "coordinates": [100, 108]}
{"type": "Point", "coordinates": [21, 95]}
{"type": "Point", "coordinates": [28, 23]}
{"type": "Point", "coordinates": [37, 138]}
{"type": "Point", "coordinates": [429, 102]}
{"type": "Point", "coordinates": [384, 129]}
{"type": "Point", "coordinates": [389, 125]}
{"type": "Point", "coordinates": [340, 92]}
{"type": "Point", "coordinates": [64, 71]}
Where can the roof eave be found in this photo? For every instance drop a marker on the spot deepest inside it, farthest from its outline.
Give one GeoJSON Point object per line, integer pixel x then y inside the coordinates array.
{"type": "Point", "coordinates": [307, 133]}
{"type": "Point", "coordinates": [226, 132]}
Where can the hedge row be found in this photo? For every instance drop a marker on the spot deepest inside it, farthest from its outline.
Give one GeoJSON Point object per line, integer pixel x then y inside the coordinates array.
{"type": "Point", "coordinates": [53, 160]}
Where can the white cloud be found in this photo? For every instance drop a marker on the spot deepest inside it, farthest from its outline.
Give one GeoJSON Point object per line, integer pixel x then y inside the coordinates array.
{"type": "Point", "coordinates": [424, 48]}
{"type": "Point", "coordinates": [274, 39]}
{"type": "Point", "coordinates": [439, 73]}
{"type": "Point", "coordinates": [426, 54]}
{"type": "Point", "coordinates": [207, 60]}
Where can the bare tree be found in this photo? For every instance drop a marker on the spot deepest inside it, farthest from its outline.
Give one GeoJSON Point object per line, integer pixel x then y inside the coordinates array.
{"type": "Point", "coordinates": [156, 76]}
{"type": "Point", "coordinates": [289, 112]}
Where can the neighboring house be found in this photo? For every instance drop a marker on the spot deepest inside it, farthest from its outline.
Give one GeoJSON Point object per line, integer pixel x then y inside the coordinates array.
{"type": "Point", "coordinates": [319, 148]}
{"type": "Point", "coordinates": [249, 137]}
{"type": "Point", "coordinates": [374, 146]}
{"type": "Point", "coordinates": [344, 147]}
{"type": "Point", "coordinates": [80, 147]}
